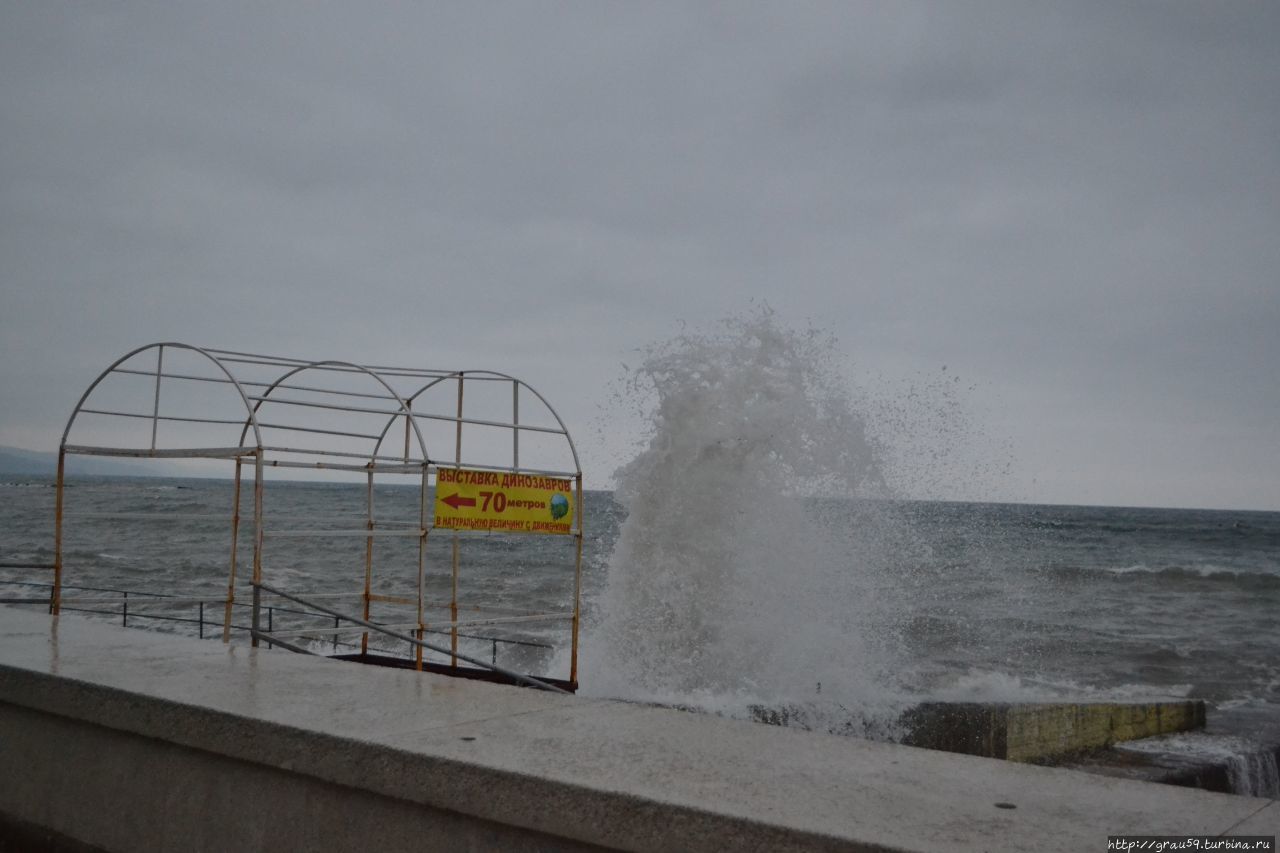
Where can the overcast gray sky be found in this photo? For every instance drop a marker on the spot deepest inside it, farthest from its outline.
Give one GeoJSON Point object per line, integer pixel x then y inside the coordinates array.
{"type": "Point", "coordinates": [1074, 206]}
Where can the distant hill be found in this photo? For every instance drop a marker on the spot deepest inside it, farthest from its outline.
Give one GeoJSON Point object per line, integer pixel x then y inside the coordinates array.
{"type": "Point", "coordinates": [33, 463]}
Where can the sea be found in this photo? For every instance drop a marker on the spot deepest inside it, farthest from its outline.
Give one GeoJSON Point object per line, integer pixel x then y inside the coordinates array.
{"type": "Point", "coordinates": [759, 549]}
{"type": "Point", "coordinates": [990, 602]}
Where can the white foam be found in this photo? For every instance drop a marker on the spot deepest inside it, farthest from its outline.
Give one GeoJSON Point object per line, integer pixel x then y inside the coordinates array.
{"type": "Point", "coordinates": [1203, 570]}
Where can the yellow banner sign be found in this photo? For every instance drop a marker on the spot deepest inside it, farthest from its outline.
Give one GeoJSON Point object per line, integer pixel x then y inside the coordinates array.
{"type": "Point", "coordinates": [495, 500]}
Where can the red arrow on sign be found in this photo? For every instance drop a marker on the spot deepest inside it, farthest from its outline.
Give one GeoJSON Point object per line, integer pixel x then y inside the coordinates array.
{"type": "Point", "coordinates": [456, 501]}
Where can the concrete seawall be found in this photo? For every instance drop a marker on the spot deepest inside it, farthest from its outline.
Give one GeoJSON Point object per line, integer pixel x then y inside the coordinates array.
{"type": "Point", "coordinates": [126, 740]}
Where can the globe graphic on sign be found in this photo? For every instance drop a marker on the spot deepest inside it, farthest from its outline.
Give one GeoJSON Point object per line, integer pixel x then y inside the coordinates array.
{"type": "Point", "coordinates": [559, 506]}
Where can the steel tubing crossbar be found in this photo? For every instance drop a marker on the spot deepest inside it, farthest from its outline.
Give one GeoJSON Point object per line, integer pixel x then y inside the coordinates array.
{"type": "Point", "coordinates": [148, 416]}
{"type": "Point", "coordinates": [364, 410]}
{"type": "Point", "coordinates": [148, 516]}
{"type": "Point", "coordinates": [344, 453]}
{"type": "Point", "coordinates": [396, 413]}
{"type": "Point", "coordinates": [170, 453]}
{"type": "Point", "coordinates": [482, 534]}
{"type": "Point", "coordinates": [454, 419]}
{"type": "Point", "coordinates": [317, 595]}
{"type": "Point", "coordinates": [523, 679]}
{"type": "Point", "coordinates": [145, 598]}
{"type": "Point", "coordinates": [355, 517]}
{"type": "Point", "coordinates": [387, 598]}
{"type": "Point", "coordinates": [500, 611]}
{"type": "Point", "coordinates": [165, 375]}
{"type": "Point", "coordinates": [383, 468]}
{"type": "Point", "coordinates": [252, 384]}
{"type": "Point", "coordinates": [289, 534]}
{"type": "Point", "coordinates": [312, 389]}
{"type": "Point", "coordinates": [262, 360]}
{"type": "Point", "coordinates": [329, 367]}
{"type": "Point", "coordinates": [562, 475]}
{"type": "Point", "coordinates": [285, 361]}
{"type": "Point", "coordinates": [485, 376]}
{"type": "Point", "coordinates": [317, 430]}
{"type": "Point", "coordinates": [499, 620]}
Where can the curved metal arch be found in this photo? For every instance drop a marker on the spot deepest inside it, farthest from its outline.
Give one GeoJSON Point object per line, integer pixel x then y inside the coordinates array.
{"type": "Point", "coordinates": [252, 418]}
{"type": "Point", "coordinates": [404, 407]}
{"type": "Point", "coordinates": [462, 374]}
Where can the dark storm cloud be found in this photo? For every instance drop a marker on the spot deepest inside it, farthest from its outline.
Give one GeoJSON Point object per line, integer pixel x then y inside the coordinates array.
{"type": "Point", "coordinates": [1072, 206]}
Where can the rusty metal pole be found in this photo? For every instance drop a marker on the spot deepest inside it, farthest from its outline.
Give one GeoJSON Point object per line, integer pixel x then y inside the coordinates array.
{"type": "Point", "coordinates": [577, 585]}
{"type": "Point", "coordinates": [515, 426]}
{"type": "Point", "coordinates": [422, 561]}
{"type": "Point", "coordinates": [368, 562]}
{"type": "Point", "coordinates": [257, 540]}
{"type": "Point", "coordinates": [453, 598]}
{"type": "Point", "coordinates": [55, 598]}
{"type": "Point", "coordinates": [235, 543]}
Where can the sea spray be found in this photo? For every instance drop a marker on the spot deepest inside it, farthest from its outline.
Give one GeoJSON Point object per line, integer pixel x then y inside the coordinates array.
{"type": "Point", "coordinates": [733, 582]}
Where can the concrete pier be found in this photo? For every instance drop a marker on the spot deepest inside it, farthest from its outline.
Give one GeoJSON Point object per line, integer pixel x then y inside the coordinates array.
{"type": "Point", "coordinates": [1044, 732]}
{"type": "Point", "coordinates": [126, 740]}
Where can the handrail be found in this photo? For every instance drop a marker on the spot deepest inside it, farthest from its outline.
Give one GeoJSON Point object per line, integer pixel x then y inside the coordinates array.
{"type": "Point", "coordinates": [522, 679]}
{"type": "Point", "coordinates": [140, 597]}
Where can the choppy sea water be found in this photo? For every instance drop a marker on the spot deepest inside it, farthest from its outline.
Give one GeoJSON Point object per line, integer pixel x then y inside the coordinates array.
{"type": "Point", "coordinates": [983, 602]}
{"type": "Point", "coordinates": [977, 602]}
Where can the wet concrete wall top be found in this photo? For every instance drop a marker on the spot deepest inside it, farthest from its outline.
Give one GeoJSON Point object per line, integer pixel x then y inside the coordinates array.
{"type": "Point", "coordinates": [587, 771]}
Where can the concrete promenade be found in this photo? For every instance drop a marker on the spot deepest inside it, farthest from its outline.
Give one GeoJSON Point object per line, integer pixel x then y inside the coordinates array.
{"type": "Point", "coordinates": [119, 739]}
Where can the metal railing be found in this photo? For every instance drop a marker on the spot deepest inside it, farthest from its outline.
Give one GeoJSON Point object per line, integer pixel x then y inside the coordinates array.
{"type": "Point", "coordinates": [418, 642]}
{"type": "Point", "coordinates": [122, 598]}
{"type": "Point", "coordinates": [126, 605]}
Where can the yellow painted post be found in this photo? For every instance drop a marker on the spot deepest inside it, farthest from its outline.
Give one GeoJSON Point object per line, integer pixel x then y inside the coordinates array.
{"type": "Point", "coordinates": [422, 561]}
{"type": "Point", "coordinates": [235, 541]}
{"type": "Point", "coordinates": [368, 563]}
{"type": "Point", "coordinates": [577, 584]}
{"type": "Point", "coordinates": [55, 599]}
{"type": "Point", "coordinates": [257, 526]}
{"type": "Point", "coordinates": [453, 598]}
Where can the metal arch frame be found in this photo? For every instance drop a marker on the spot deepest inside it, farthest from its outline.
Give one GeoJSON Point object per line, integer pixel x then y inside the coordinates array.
{"type": "Point", "coordinates": [315, 365]}
{"type": "Point", "coordinates": [226, 362]}
{"type": "Point", "coordinates": [461, 375]}
{"type": "Point", "coordinates": [579, 535]}
{"type": "Point", "coordinates": [56, 597]}
{"type": "Point", "coordinates": [407, 414]}
{"type": "Point", "coordinates": [231, 378]}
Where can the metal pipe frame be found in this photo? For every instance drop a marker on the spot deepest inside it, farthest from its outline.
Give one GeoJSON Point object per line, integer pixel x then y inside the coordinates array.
{"type": "Point", "coordinates": [367, 533]}
{"type": "Point", "coordinates": [147, 516]}
{"type": "Point", "coordinates": [457, 548]}
{"type": "Point", "coordinates": [261, 380]}
{"type": "Point", "coordinates": [162, 453]}
{"type": "Point", "coordinates": [235, 544]}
